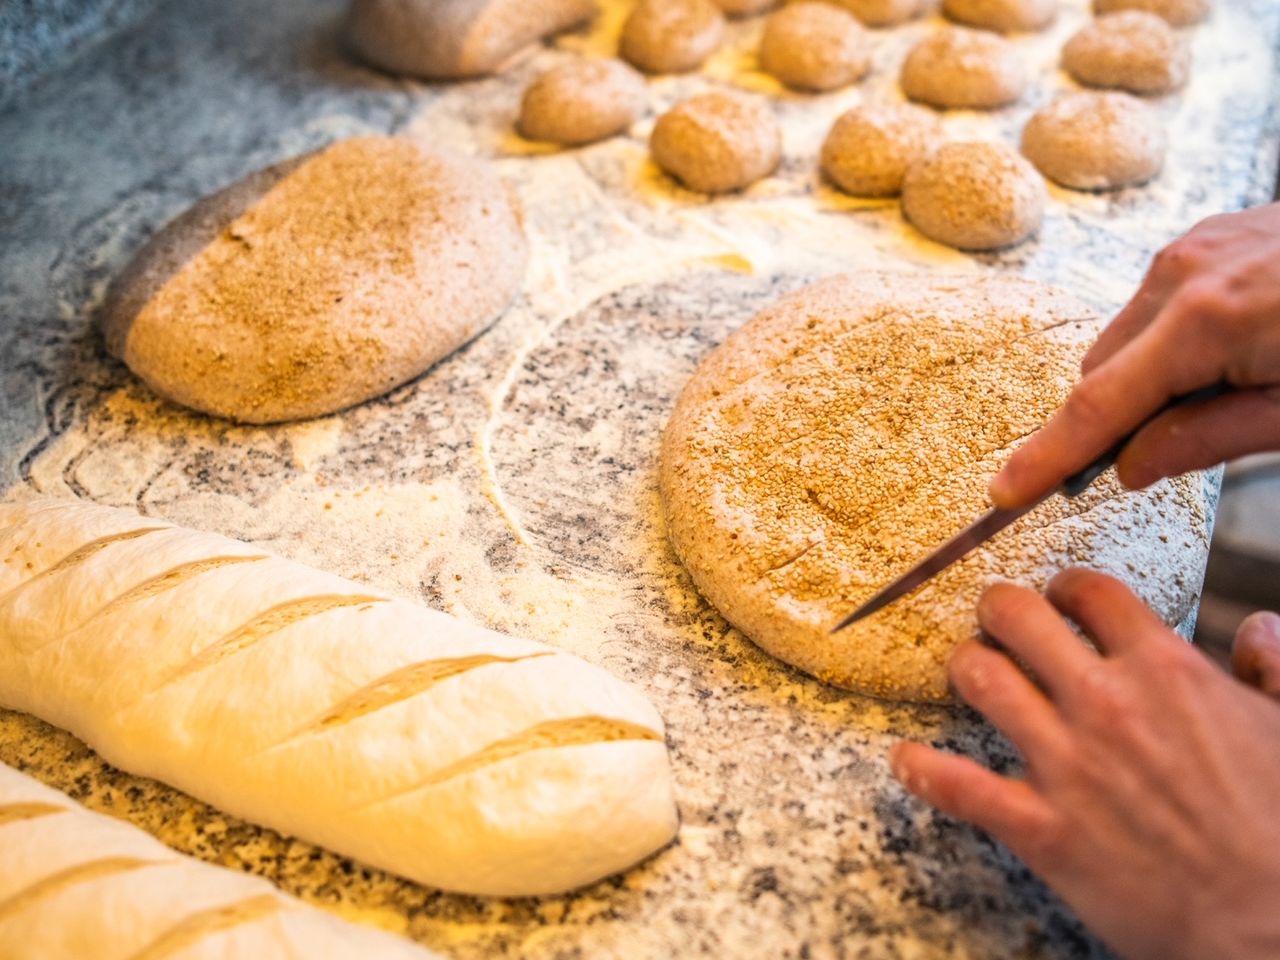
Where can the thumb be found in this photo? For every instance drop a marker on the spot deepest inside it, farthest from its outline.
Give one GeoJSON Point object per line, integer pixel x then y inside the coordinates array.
{"type": "Point", "coordinates": [1255, 655]}
{"type": "Point", "coordinates": [1202, 435]}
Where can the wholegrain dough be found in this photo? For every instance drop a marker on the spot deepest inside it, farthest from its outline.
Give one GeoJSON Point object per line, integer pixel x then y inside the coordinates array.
{"type": "Point", "coordinates": [325, 709]}
{"type": "Point", "coordinates": [1129, 50]}
{"type": "Point", "coordinates": [1004, 16]}
{"type": "Point", "coordinates": [881, 13]}
{"type": "Point", "coordinates": [1178, 13]}
{"type": "Point", "coordinates": [1091, 140]}
{"type": "Point", "coordinates": [745, 8]}
{"type": "Point", "coordinates": [76, 885]}
{"type": "Point", "coordinates": [449, 39]}
{"type": "Point", "coordinates": [814, 46]}
{"type": "Point", "coordinates": [671, 36]}
{"type": "Point", "coordinates": [582, 101]}
{"type": "Point", "coordinates": [959, 68]}
{"type": "Point", "coordinates": [869, 148]}
{"type": "Point", "coordinates": [717, 142]}
{"type": "Point", "coordinates": [974, 196]}
{"type": "Point", "coordinates": [847, 430]}
{"type": "Point", "coordinates": [318, 283]}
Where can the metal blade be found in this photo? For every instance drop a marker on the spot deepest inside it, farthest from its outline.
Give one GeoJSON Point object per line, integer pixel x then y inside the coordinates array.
{"type": "Point", "coordinates": [976, 534]}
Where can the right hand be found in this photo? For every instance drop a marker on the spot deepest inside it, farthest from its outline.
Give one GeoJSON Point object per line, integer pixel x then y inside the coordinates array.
{"type": "Point", "coordinates": [1207, 312]}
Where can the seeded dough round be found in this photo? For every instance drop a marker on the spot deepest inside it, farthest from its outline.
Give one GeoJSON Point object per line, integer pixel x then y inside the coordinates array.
{"type": "Point", "coordinates": [1130, 50]}
{"type": "Point", "coordinates": [582, 101]}
{"type": "Point", "coordinates": [1179, 13]}
{"type": "Point", "coordinates": [974, 196]}
{"type": "Point", "coordinates": [869, 147]}
{"type": "Point", "coordinates": [318, 283]}
{"type": "Point", "coordinates": [671, 36]}
{"type": "Point", "coordinates": [882, 13]}
{"type": "Point", "coordinates": [960, 68]}
{"type": "Point", "coordinates": [848, 429]}
{"type": "Point", "coordinates": [717, 142]}
{"type": "Point", "coordinates": [745, 8]}
{"type": "Point", "coordinates": [1091, 140]}
{"type": "Point", "coordinates": [454, 38]}
{"type": "Point", "coordinates": [1005, 16]}
{"type": "Point", "coordinates": [814, 46]}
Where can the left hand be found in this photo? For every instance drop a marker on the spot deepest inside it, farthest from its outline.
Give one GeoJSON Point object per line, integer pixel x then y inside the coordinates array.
{"type": "Point", "coordinates": [1151, 802]}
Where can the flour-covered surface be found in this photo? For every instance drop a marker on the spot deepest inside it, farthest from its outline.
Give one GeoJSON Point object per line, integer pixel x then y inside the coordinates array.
{"type": "Point", "coordinates": [515, 485]}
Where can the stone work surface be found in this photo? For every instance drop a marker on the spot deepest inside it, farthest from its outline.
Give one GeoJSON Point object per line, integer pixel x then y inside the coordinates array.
{"type": "Point", "coordinates": [515, 483]}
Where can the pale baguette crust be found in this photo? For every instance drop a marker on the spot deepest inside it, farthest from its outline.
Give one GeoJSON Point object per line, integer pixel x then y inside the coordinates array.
{"type": "Point", "coordinates": [485, 764]}
{"type": "Point", "coordinates": [76, 884]}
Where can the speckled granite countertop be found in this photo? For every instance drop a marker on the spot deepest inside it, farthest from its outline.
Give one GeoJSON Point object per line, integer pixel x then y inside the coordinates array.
{"type": "Point", "coordinates": [515, 483]}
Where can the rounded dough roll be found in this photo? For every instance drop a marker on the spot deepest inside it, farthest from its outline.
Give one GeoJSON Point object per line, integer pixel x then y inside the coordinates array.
{"type": "Point", "coordinates": [1178, 13]}
{"type": "Point", "coordinates": [959, 68]}
{"type": "Point", "coordinates": [671, 36]}
{"type": "Point", "coordinates": [1129, 50]}
{"type": "Point", "coordinates": [582, 101]}
{"type": "Point", "coordinates": [717, 142]}
{"type": "Point", "coordinates": [1090, 140]}
{"type": "Point", "coordinates": [814, 46]}
{"type": "Point", "coordinates": [869, 148]}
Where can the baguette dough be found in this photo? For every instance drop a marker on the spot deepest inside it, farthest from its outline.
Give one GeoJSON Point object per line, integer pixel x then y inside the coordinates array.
{"type": "Point", "coordinates": [814, 46]}
{"type": "Point", "coordinates": [76, 885]}
{"type": "Point", "coordinates": [671, 36]}
{"type": "Point", "coordinates": [1091, 140]}
{"type": "Point", "coordinates": [449, 39]}
{"type": "Point", "coordinates": [582, 101]}
{"type": "Point", "coordinates": [717, 142]}
{"type": "Point", "coordinates": [847, 430]}
{"type": "Point", "coordinates": [1129, 50]}
{"type": "Point", "coordinates": [398, 735]}
{"type": "Point", "coordinates": [870, 147]}
{"type": "Point", "coordinates": [319, 283]}
{"type": "Point", "coordinates": [959, 68]}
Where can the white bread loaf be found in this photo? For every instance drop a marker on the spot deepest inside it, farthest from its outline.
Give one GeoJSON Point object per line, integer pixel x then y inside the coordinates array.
{"type": "Point", "coordinates": [76, 884]}
{"type": "Point", "coordinates": [398, 735]}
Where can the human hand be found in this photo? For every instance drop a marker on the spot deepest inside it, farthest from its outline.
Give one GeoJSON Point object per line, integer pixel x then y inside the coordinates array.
{"type": "Point", "coordinates": [1208, 311]}
{"type": "Point", "coordinates": [1150, 799]}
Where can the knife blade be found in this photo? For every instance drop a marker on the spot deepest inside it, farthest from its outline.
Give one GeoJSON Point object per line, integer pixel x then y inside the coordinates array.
{"type": "Point", "coordinates": [996, 519]}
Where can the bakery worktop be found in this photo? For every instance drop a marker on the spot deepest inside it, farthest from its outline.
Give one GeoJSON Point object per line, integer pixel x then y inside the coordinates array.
{"type": "Point", "coordinates": [515, 484]}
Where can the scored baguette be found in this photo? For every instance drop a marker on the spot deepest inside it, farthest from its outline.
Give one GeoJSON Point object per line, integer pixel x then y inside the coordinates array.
{"type": "Point", "coordinates": [441, 751]}
{"type": "Point", "coordinates": [76, 884]}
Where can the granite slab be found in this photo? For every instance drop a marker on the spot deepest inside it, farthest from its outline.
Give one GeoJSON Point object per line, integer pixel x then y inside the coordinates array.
{"type": "Point", "coordinates": [514, 484]}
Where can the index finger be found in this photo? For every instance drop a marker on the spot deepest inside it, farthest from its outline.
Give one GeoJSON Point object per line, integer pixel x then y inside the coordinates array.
{"type": "Point", "coordinates": [1107, 404]}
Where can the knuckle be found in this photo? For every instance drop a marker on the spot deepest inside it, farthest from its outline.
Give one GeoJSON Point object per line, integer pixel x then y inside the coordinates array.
{"type": "Point", "coordinates": [1104, 699]}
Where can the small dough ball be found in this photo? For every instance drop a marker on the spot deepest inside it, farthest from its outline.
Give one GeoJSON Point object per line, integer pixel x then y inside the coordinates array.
{"type": "Point", "coordinates": [582, 101]}
{"type": "Point", "coordinates": [717, 142]}
{"type": "Point", "coordinates": [974, 196]}
{"type": "Point", "coordinates": [870, 147]}
{"type": "Point", "coordinates": [745, 8]}
{"type": "Point", "coordinates": [1130, 50]}
{"type": "Point", "coordinates": [814, 46]}
{"type": "Point", "coordinates": [1095, 141]}
{"type": "Point", "coordinates": [1003, 16]}
{"type": "Point", "coordinates": [882, 13]}
{"type": "Point", "coordinates": [961, 68]}
{"type": "Point", "coordinates": [1178, 13]}
{"type": "Point", "coordinates": [671, 36]}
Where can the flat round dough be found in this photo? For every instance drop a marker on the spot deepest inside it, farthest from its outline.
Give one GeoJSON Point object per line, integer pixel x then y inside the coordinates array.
{"type": "Point", "coordinates": [870, 147]}
{"type": "Point", "coordinates": [671, 36]}
{"type": "Point", "coordinates": [974, 196]}
{"type": "Point", "coordinates": [1178, 13]}
{"type": "Point", "coordinates": [1092, 140]}
{"type": "Point", "coordinates": [1003, 16]}
{"type": "Point", "coordinates": [319, 283]}
{"type": "Point", "coordinates": [717, 142]}
{"type": "Point", "coordinates": [448, 39]}
{"type": "Point", "coordinates": [882, 13]}
{"type": "Point", "coordinates": [850, 428]}
{"type": "Point", "coordinates": [1130, 50]}
{"type": "Point", "coordinates": [959, 68]}
{"type": "Point", "coordinates": [815, 46]}
{"type": "Point", "coordinates": [582, 101]}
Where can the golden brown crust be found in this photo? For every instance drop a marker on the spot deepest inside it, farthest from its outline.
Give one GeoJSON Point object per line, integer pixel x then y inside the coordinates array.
{"type": "Point", "coordinates": [848, 429]}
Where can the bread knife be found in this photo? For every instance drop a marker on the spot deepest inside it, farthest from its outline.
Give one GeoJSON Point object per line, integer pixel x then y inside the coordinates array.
{"type": "Point", "coordinates": [997, 518]}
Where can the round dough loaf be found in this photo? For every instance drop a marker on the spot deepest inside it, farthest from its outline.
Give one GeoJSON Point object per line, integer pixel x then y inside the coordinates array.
{"type": "Point", "coordinates": [814, 46]}
{"type": "Point", "coordinates": [1130, 50]}
{"type": "Point", "coordinates": [447, 39]}
{"type": "Point", "coordinates": [1004, 16]}
{"type": "Point", "coordinates": [320, 283]}
{"type": "Point", "coordinates": [671, 36]}
{"type": "Point", "coordinates": [745, 8]}
{"type": "Point", "coordinates": [882, 13]}
{"type": "Point", "coordinates": [958, 68]}
{"type": "Point", "coordinates": [870, 147]}
{"type": "Point", "coordinates": [974, 196]}
{"type": "Point", "coordinates": [582, 101]}
{"type": "Point", "coordinates": [717, 142]}
{"type": "Point", "coordinates": [1089, 140]}
{"type": "Point", "coordinates": [1178, 13]}
{"type": "Point", "coordinates": [847, 430]}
